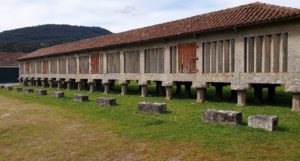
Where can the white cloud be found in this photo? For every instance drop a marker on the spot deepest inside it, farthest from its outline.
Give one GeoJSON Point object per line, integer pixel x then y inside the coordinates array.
{"type": "Point", "coordinates": [115, 15]}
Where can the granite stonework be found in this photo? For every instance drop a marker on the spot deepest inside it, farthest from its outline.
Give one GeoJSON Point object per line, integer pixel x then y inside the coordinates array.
{"type": "Point", "coordinates": [152, 107]}
{"type": "Point", "coordinates": [58, 94]}
{"type": "Point", "coordinates": [19, 89]}
{"type": "Point", "coordinates": [102, 101]}
{"type": "Point", "coordinates": [223, 117]}
{"type": "Point", "coordinates": [266, 122]}
{"type": "Point", "coordinates": [42, 92]}
{"type": "Point", "coordinates": [9, 88]}
{"type": "Point", "coordinates": [28, 90]}
{"type": "Point", "coordinates": [81, 98]}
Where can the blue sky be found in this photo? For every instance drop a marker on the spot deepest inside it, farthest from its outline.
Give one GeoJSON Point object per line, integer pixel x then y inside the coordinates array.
{"type": "Point", "coordinates": [114, 15]}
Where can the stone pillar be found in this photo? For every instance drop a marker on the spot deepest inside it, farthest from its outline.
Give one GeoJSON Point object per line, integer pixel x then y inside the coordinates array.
{"type": "Point", "coordinates": [37, 83]}
{"type": "Point", "coordinates": [124, 89]}
{"type": "Point", "coordinates": [168, 92]}
{"type": "Point", "coordinates": [144, 90]}
{"type": "Point", "coordinates": [201, 95]}
{"type": "Point", "coordinates": [59, 84]}
{"type": "Point", "coordinates": [25, 82]}
{"type": "Point", "coordinates": [296, 102]}
{"type": "Point", "coordinates": [50, 83]}
{"type": "Point", "coordinates": [271, 92]}
{"type": "Point", "coordinates": [258, 97]}
{"type": "Point", "coordinates": [44, 83]}
{"type": "Point", "coordinates": [92, 87]}
{"type": "Point", "coordinates": [106, 88]}
{"type": "Point", "coordinates": [79, 86]}
{"type": "Point", "coordinates": [69, 85]}
{"type": "Point", "coordinates": [241, 97]}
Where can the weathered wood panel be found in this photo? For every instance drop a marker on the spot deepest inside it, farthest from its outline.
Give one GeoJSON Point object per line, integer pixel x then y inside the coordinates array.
{"type": "Point", "coordinates": [27, 68]}
{"type": "Point", "coordinates": [45, 67]}
{"type": "Point", "coordinates": [226, 56]}
{"type": "Point", "coordinates": [53, 66]}
{"type": "Point", "coordinates": [232, 56]}
{"type": "Point", "coordinates": [285, 52]}
{"type": "Point", "coordinates": [62, 66]}
{"type": "Point", "coordinates": [21, 69]}
{"type": "Point", "coordinates": [258, 59]}
{"type": "Point", "coordinates": [38, 67]}
{"type": "Point", "coordinates": [187, 58]}
{"type": "Point", "coordinates": [206, 57]}
{"type": "Point", "coordinates": [276, 48]}
{"type": "Point", "coordinates": [132, 61]}
{"type": "Point", "coordinates": [213, 58]}
{"type": "Point", "coordinates": [72, 65]}
{"type": "Point", "coordinates": [154, 60]}
{"type": "Point", "coordinates": [32, 67]}
{"type": "Point", "coordinates": [113, 62]}
{"type": "Point", "coordinates": [84, 65]}
{"type": "Point", "coordinates": [250, 53]}
{"type": "Point", "coordinates": [101, 69]}
{"type": "Point", "coordinates": [95, 63]}
{"type": "Point", "coordinates": [268, 41]}
{"type": "Point", "coordinates": [220, 57]}
{"type": "Point", "coordinates": [173, 65]}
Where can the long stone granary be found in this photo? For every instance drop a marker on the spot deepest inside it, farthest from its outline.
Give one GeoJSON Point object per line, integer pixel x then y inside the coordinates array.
{"type": "Point", "coordinates": [251, 46]}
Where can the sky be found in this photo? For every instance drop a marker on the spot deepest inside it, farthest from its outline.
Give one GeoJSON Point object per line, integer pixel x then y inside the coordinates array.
{"type": "Point", "coordinates": [114, 15]}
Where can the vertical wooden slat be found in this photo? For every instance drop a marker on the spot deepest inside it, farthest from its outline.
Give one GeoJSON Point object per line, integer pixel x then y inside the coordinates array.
{"type": "Point", "coordinates": [276, 51]}
{"type": "Point", "coordinates": [250, 56]}
{"type": "Point", "coordinates": [213, 57]}
{"type": "Point", "coordinates": [232, 56]}
{"type": "Point", "coordinates": [267, 63]}
{"type": "Point", "coordinates": [258, 58]}
{"type": "Point", "coordinates": [284, 52]}
{"type": "Point", "coordinates": [226, 56]}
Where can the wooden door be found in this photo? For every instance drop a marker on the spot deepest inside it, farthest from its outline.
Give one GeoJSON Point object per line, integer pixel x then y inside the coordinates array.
{"type": "Point", "coordinates": [187, 58]}
{"type": "Point", "coordinates": [95, 63]}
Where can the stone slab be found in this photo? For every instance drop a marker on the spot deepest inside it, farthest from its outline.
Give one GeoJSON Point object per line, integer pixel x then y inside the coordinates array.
{"type": "Point", "coordinates": [266, 122]}
{"type": "Point", "coordinates": [42, 92]}
{"type": "Point", "coordinates": [58, 94]}
{"type": "Point", "coordinates": [9, 88]}
{"type": "Point", "coordinates": [81, 98]}
{"type": "Point", "coordinates": [19, 89]}
{"type": "Point", "coordinates": [2, 86]}
{"type": "Point", "coordinates": [28, 90]}
{"type": "Point", "coordinates": [152, 107]}
{"type": "Point", "coordinates": [102, 101]}
{"type": "Point", "coordinates": [222, 117]}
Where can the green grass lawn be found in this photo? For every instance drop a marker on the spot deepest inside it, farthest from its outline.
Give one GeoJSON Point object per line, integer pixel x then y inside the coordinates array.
{"type": "Point", "coordinates": [182, 122]}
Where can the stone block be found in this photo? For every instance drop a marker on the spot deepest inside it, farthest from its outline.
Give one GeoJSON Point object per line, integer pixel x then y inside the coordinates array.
{"type": "Point", "coordinates": [152, 107]}
{"type": "Point", "coordinates": [223, 117]}
{"type": "Point", "coordinates": [28, 90]}
{"type": "Point", "coordinates": [58, 94]}
{"type": "Point", "coordinates": [2, 86]}
{"type": "Point", "coordinates": [42, 92]}
{"type": "Point", "coordinates": [9, 88]}
{"type": "Point", "coordinates": [102, 101]}
{"type": "Point", "coordinates": [266, 122]}
{"type": "Point", "coordinates": [81, 98]}
{"type": "Point", "coordinates": [19, 89]}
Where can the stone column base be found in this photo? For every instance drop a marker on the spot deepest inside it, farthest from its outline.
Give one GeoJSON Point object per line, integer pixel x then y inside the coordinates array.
{"type": "Point", "coordinates": [200, 95]}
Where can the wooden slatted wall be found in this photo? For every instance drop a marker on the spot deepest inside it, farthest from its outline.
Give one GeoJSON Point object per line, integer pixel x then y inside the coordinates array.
{"type": "Point", "coordinates": [132, 61]}
{"type": "Point", "coordinates": [62, 66]}
{"type": "Point", "coordinates": [113, 62]}
{"type": "Point", "coordinates": [53, 66]}
{"type": "Point", "coordinates": [154, 60]}
{"type": "Point", "coordinates": [84, 64]}
{"type": "Point", "coordinates": [72, 65]}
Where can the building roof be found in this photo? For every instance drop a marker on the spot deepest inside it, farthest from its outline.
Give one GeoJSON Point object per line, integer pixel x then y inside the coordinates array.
{"type": "Point", "coordinates": [9, 59]}
{"type": "Point", "coordinates": [246, 15]}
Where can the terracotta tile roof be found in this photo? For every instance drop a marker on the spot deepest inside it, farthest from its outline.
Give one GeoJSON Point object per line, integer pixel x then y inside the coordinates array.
{"type": "Point", "coordinates": [250, 14]}
{"type": "Point", "coordinates": [9, 59]}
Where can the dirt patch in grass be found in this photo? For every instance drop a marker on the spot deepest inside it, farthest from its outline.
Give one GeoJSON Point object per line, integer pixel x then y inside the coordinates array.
{"type": "Point", "coordinates": [30, 131]}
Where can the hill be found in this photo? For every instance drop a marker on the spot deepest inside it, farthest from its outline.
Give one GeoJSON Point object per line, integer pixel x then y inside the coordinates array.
{"type": "Point", "coordinates": [32, 38]}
